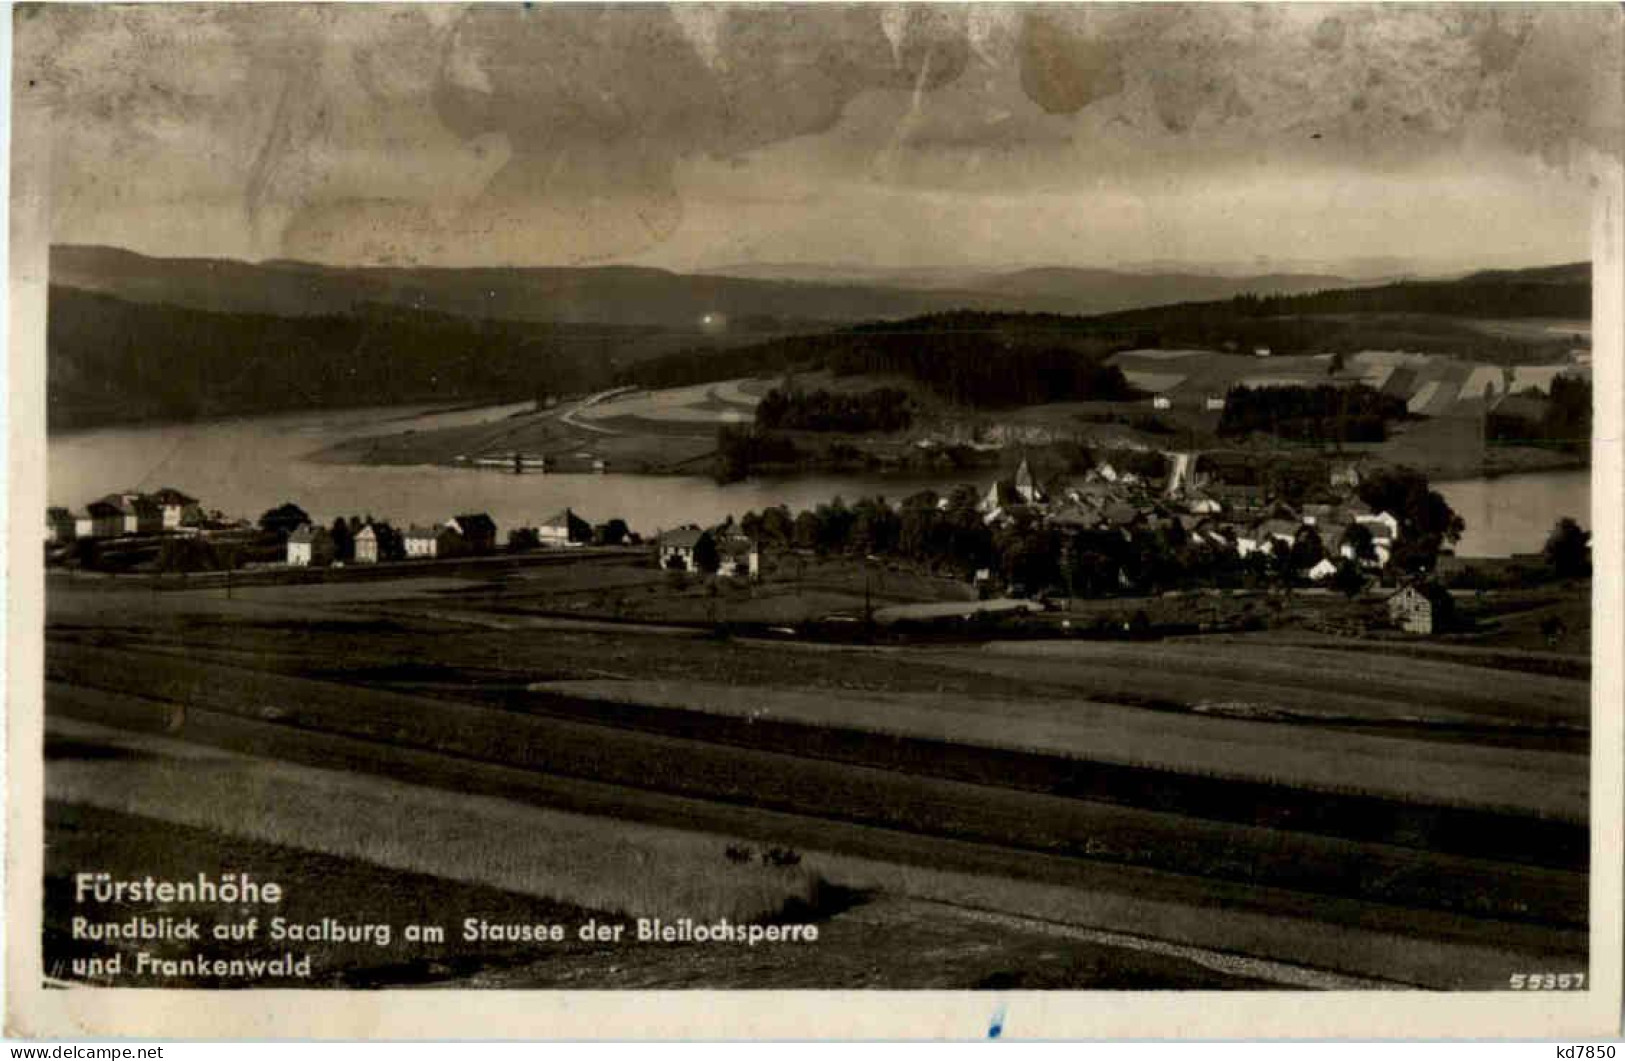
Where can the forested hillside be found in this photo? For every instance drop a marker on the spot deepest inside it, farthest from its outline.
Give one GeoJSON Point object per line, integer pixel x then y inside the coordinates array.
{"type": "Point", "coordinates": [113, 361]}
{"type": "Point", "coordinates": [1442, 317]}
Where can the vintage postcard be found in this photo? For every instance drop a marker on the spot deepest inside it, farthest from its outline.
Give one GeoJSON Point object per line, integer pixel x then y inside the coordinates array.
{"type": "Point", "coordinates": [814, 520]}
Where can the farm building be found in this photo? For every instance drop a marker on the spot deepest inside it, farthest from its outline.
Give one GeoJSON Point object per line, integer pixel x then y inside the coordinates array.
{"type": "Point", "coordinates": [1214, 403]}
{"type": "Point", "coordinates": [1323, 570]}
{"type": "Point", "coordinates": [1421, 608]}
{"type": "Point", "coordinates": [478, 530]}
{"type": "Point", "coordinates": [59, 526]}
{"type": "Point", "coordinates": [677, 548]}
{"type": "Point", "coordinates": [739, 557]}
{"type": "Point", "coordinates": [564, 528]}
{"type": "Point", "coordinates": [101, 519]}
{"type": "Point", "coordinates": [310, 547]}
{"type": "Point", "coordinates": [138, 513]}
{"type": "Point", "coordinates": [429, 543]}
{"type": "Point", "coordinates": [176, 509]}
{"type": "Point", "coordinates": [366, 545]}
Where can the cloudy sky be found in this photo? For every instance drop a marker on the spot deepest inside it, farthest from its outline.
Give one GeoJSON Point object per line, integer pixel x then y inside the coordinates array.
{"type": "Point", "coordinates": [698, 135]}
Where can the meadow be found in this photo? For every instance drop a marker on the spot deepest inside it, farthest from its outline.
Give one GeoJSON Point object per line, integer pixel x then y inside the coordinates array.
{"type": "Point", "coordinates": [593, 863]}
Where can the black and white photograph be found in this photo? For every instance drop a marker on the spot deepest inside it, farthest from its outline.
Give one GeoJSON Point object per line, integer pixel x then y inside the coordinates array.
{"type": "Point", "coordinates": [917, 497]}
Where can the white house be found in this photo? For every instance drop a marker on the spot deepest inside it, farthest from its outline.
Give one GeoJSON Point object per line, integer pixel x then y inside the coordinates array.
{"type": "Point", "coordinates": [310, 546]}
{"type": "Point", "coordinates": [677, 548]}
{"type": "Point", "coordinates": [1162, 401]}
{"type": "Point", "coordinates": [564, 528]}
{"type": "Point", "coordinates": [177, 509]}
{"type": "Point", "coordinates": [366, 545]}
{"type": "Point", "coordinates": [429, 543]}
{"type": "Point", "coordinates": [1323, 570]}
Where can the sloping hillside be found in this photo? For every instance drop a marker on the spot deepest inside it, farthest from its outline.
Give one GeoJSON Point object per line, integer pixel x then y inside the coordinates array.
{"type": "Point", "coordinates": [114, 361]}
{"type": "Point", "coordinates": [1425, 317]}
{"type": "Point", "coordinates": [769, 299]}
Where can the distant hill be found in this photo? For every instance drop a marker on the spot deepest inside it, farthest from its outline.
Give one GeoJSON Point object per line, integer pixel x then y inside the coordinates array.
{"type": "Point", "coordinates": [1439, 317]}
{"type": "Point", "coordinates": [609, 294]}
{"type": "Point", "coordinates": [1558, 292]}
{"type": "Point", "coordinates": [1102, 290]}
{"type": "Point", "coordinates": [133, 338]}
{"type": "Point", "coordinates": [1572, 274]}
{"type": "Point", "coordinates": [771, 298]}
{"type": "Point", "coordinates": [1048, 289]}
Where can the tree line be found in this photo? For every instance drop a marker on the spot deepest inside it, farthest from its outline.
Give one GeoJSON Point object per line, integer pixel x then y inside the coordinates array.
{"type": "Point", "coordinates": [969, 359]}
{"type": "Point", "coordinates": [884, 409]}
{"type": "Point", "coordinates": [1319, 414]}
{"type": "Point", "coordinates": [1564, 421]}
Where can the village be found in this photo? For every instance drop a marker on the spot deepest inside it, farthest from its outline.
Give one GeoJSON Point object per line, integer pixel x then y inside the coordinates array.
{"type": "Point", "coordinates": [1147, 524]}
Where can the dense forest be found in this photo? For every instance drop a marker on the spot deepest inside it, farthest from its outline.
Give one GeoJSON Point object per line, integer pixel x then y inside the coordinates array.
{"type": "Point", "coordinates": [1310, 414]}
{"type": "Point", "coordinates": [882, 409]}
{"type": "Point", "coordinates": [950, 355]}
{"type": "Point", "coordinates": [113, 361]}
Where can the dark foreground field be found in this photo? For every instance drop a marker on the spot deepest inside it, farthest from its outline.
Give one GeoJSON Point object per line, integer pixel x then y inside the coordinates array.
{"type": "Point", "coordinates": [1438, 882]}
{"type": "Point", "coordinates": [871, 943]}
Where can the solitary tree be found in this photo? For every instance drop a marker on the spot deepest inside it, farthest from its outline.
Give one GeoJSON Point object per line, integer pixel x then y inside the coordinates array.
{"type": "Point", "coordinates": [343, 540]}
{"type": "Point", "coordinates": [284, 519]}
{"type": "Point", "coordinates": [1568, 549]}
{"type": "Point", "coordinates": [706, 557]}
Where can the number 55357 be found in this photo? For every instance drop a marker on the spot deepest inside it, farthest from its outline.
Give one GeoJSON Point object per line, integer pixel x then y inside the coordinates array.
{"type": "Point", "coordinates": [1547, 981]}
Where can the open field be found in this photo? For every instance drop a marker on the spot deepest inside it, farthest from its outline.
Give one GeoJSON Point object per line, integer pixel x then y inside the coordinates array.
{"type": "Point", "coordinates": [725, 402]}
{"type": "Point", "coordinates": [583, 747]}
{"type": "Point", "coordinates": [868, 945]}
{"type": "Point", "coordinates": [613, 867]}
{"type": "Point", "coordinates": [1433, 771]}
{"type": "Point", "coordinates": [890, 769]}
{"type": "Point", "coordinates": [1441, 935]}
